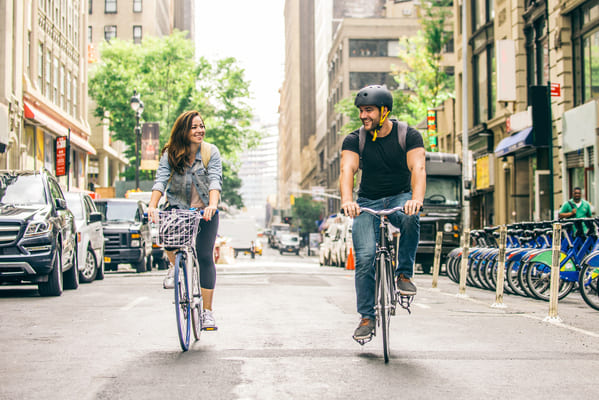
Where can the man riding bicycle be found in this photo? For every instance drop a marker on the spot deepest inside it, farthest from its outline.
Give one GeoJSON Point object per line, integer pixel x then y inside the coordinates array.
{"type": "Point", "coordinates": [393, 174]}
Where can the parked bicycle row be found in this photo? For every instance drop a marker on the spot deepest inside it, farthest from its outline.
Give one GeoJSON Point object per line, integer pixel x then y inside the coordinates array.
{"type": "Point", "coordinates": [528, 259]}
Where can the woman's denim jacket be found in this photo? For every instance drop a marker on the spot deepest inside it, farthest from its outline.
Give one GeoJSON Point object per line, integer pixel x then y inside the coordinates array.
{"type": "Point", "coordinates": [178, 187]}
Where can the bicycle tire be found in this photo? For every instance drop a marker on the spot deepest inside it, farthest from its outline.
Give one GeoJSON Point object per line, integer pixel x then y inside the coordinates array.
{"type": "Point", "coordinates": [588, 282]}
{"type": "Point", "coordinates": [384, 304]}
{"type": "Point", "coordinates": [182, 308]}
{"type": "Point", "coordinates": [197, 304]}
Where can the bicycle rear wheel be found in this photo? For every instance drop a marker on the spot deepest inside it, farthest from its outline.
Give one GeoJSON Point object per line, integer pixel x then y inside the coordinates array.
{"type": "Point", "coordinates": [384, 304]}
{"type": "Point", "coordinates": [197, 304]}
{"type": "Point", "coordinates": [182, 303]}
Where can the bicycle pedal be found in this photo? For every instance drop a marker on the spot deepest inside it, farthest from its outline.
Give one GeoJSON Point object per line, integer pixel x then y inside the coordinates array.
{"type": "Point", "coordinates": [363, 341]}
{"type": "Point", "coordinates": [405, 302]}
{"type": "Point", "coordinates": [214, 328]}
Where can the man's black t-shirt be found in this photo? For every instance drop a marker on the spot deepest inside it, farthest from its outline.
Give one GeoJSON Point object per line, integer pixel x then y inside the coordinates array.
{"type": "Point", "coordinates": [384, 166]}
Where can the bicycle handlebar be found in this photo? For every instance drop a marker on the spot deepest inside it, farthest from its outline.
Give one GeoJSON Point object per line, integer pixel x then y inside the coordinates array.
{"type": "Point", "coordinates": [388, 211]}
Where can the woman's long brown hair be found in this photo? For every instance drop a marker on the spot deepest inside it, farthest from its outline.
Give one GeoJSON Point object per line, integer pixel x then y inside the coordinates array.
{"type": "Point", "coordinates": [178, 145]}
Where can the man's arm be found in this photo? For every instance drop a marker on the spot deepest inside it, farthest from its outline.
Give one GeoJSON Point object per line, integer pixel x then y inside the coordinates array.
{"type": "Point", "coordinates": [567, 214]}
{"type": "Point", "coordinates": [417, 165]}
{"type": "Point", "coordinates": [350, 162]}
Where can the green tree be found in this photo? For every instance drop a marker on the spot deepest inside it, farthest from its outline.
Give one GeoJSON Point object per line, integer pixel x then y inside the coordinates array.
{"type": "Point", "coordinates": [170, 81]}
{"type": "Point", "coordinates": [306, 212]}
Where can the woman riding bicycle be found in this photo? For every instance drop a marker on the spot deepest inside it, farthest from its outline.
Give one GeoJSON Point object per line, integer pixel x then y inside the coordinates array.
{"type": "Point", "coordinates": [393, 174]}
{"type": "Point", "coordinates": [190, 173]}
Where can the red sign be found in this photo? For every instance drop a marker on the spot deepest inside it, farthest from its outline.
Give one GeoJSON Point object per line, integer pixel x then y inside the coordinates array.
{"type": "Point", "coordinates": [61, 156]}
{"type": "Point", "coordinates": [556, 90]}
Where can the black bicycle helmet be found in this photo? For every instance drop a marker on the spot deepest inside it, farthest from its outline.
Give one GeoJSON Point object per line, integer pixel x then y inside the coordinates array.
{"type": "Point", "coordinates": [374, 95]}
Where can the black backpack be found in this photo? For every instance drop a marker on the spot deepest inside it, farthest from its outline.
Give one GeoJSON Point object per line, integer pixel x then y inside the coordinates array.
{"type": "Point", "coordinates": [402, 131]}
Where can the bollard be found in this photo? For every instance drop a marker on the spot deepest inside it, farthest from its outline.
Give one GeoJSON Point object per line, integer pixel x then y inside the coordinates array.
{"type": "Point", "coordinates": [437, 260]}
{"type": "Point", "coordinates": [500, 269]}
{"type": "Point", "coordinates": [464, 265]}
{"type": "Point", "coordinates": [555, 279]}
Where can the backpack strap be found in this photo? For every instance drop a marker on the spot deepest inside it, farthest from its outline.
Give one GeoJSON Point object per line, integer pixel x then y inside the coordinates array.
{"type": "Point", "coordinates": [402, 132]}
{"type": "Point", "coordinates": [206, 152]}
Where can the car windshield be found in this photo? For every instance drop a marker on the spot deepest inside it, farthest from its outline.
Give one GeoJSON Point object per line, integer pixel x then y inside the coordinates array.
{"type": "Point", "coordinates": [74, 204]}
{"type": "Point", "coordinates": [118, 210]}
{"type": "Point", "coordinates": [289, 238]}
{"type": "Point", "coordinates": [22, 190]}
{"type": "Point", "coordinates": [442, 190]}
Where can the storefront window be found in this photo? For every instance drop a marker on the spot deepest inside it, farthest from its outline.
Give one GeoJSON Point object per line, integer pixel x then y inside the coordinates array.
{"type": "Point", "coordinates": [585, 40]}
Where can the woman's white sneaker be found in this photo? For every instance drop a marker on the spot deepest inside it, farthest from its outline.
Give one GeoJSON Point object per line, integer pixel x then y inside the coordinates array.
{"type": "Point", "coordinates": [208, 322]}
{"type": "Point", "coordinates": [169, 280]}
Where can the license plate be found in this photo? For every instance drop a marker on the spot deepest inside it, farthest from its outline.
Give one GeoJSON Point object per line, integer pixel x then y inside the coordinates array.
{"type": "Point", "coordinates": [106, 259]}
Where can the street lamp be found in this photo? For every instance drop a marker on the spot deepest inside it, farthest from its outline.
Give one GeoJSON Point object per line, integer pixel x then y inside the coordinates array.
{"type": "Point", "coordinates": [138, 106]}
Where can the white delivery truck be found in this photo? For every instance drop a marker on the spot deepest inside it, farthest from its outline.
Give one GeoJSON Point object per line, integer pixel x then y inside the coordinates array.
{"type": "Point", "coordinates": [241, 232]}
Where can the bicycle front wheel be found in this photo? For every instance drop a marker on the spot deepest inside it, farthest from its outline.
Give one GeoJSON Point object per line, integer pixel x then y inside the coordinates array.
{"type": "Point", "coordinates": [384, 303]}
{"type": "Point", "coordinates": [182, 303]}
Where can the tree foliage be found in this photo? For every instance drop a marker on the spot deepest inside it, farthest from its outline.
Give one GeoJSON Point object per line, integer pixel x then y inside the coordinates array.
{"type": "Point", "coordinates": [307, 212]}
{"type": "Point", "coordinates": [170, 81]}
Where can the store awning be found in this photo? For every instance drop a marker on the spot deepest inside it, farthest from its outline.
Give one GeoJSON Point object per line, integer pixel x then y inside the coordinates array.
{"type": "Point", "coordinates": [35, 114]}
{"type": "Point", "coordinates": [517, 141]}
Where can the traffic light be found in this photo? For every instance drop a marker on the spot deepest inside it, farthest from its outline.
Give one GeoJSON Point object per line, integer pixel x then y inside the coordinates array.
{"type": "Point", "coordinates": [287, 220]}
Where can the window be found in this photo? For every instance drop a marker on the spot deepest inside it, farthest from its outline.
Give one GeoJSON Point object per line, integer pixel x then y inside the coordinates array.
{"type": "Point", "coordinates": [137, 34]}
{"type": "Point", "coordinates": [109, 32]}
{"type": "Point", "coordinates": [585, 40]}
{"type": "Point", "coordinates": [537, 52]}
{"type": "Point", "coordinates": [48, 73]}
{"type": "Point", "coordinates": [56, 72]}
{"type": "Point", "coordinates": [62, 87]}
{"type": "Point", "coordinates": [40, 67]}
{"type": "Point", "coordinates": [89, 34]}
{"type": "Point", "coordinates": [137, 7]}
{"type": "Point", "coordinates": [483, 62]}
{"type": "Point", "coordinates": [109, 6]}
{"type": "Point", "coordinates": [373, 47]}
{"type": "Point", "coordinates": [75, 96]}
{"type": "Point", "coordinates": [68, 85]}
{"type": "Point", "coordinates": [89, 6]}
{"type": "Point", "coordinates": [358, 80]}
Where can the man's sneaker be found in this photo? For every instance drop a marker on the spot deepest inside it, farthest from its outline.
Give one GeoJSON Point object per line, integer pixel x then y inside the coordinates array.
{"type": "Point", "coordinates": [405, 286]}
{"type": "Point", "coordinates": [364, 330]}
{"type": "Point", "coordinates": [169, 280]}
{"type": "Point", "coordinates": [208, 322]}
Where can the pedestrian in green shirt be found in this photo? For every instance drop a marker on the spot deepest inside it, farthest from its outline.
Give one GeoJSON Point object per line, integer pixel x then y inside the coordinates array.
{"type": "Point", "coordinates": [576, 207]}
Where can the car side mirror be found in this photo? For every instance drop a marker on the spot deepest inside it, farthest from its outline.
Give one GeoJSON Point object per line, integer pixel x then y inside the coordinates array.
{"type": "Point", "coordinates": [95, 217]}
{"type": "Point", "coordinates": [61, 204]}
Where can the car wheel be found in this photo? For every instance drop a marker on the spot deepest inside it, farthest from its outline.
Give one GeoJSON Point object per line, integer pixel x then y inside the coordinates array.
{"type": "Point", "coordinates": [140, 266]}
{"type": "Point", "coordinates": [53, 287]}
{"type": "Point", "coordinates": [71, 275]}
{"type": "Point", "coordinates": [90, 270]}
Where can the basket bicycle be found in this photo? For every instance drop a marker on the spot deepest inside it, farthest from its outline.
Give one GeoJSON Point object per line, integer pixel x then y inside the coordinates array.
{"type": "Point", "coordinates": [177, 229]}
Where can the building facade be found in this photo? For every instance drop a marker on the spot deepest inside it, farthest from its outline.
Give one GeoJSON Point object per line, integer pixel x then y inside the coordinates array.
{"type": "Point", "coordinates": [43, 90]}
{"type": "Point", "coordinates": [531, 106]}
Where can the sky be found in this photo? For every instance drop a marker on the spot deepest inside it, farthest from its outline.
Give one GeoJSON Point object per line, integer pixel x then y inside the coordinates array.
{"type": "Point", "coordinates": [252, 32]}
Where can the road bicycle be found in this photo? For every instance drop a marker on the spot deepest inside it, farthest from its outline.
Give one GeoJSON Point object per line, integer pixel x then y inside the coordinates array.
{"type": "Point", "coordinates": [178, 229]}
{"type": "Point", "coordinates": [386, 295]}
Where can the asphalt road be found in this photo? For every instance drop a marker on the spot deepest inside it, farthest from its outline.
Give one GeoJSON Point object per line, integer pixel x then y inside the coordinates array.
{"type": "Point", "coordinates": [285, 327]}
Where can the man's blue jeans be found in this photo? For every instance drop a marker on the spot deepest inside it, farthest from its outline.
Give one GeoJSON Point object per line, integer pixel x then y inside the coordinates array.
{"type": "Point", "coordinates": [365, 234]}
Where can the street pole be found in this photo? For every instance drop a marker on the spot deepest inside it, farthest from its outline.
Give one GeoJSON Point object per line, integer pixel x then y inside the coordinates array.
{"type": "Point", "coordinates": [137, 146]}
{"type": "Point", "coordinates": [465, 158]}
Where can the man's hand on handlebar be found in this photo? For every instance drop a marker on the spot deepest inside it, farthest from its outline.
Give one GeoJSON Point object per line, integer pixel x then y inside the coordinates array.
{"type": "Point", "coordinates": [351, 209]}
{"type": "Point", "coordinates": [412, 207]}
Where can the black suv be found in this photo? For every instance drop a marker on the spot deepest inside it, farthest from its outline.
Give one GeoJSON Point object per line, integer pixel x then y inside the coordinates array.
{"type": "Point", "coordinates": [126, 234]}
{"type": "Point", "coordinates": [38, 241]}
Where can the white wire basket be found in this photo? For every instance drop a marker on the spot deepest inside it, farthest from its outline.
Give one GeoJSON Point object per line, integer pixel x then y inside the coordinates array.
{"type": "Point", "coordinates": [178, 228]}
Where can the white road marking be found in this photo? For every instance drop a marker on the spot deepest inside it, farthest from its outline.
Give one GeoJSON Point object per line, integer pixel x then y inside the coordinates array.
{"type": "Point", "coordinates": [134, 303]}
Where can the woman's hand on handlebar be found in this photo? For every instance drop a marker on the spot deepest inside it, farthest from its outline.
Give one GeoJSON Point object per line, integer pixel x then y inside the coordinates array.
{"type": "Point", "coordinates": [412, 207]}
{"type": "Point", "coordinates": [153, 214]}
{"type": "Point", "coordinates": [209, 212]}
{"type": "Point", "coordinates": [351, 209]}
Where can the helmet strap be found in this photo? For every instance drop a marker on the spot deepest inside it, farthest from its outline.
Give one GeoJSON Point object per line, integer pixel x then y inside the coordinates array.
{"type": "Point", "coordinates": [380, 125]}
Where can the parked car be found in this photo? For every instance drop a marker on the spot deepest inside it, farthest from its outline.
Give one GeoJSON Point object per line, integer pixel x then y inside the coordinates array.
{"type": "Point", "coordinates": [126, 234]}
{"type": "Point", "coordinates": [289, 243]}
{"type": "Point", "coordinates": [90, 236]}
{"type": "Point", "coordinates": [38, 242]}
